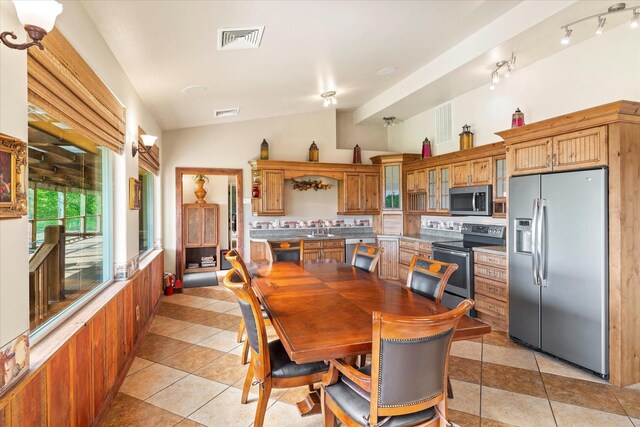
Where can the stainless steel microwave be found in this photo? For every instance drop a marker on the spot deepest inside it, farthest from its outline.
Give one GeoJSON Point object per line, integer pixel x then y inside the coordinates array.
{"type": "Point", "coordinates": [476, 200]}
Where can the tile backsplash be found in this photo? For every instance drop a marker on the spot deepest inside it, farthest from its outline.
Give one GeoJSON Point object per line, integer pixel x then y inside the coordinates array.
{"type": "Point", "coordinates": [279, 224]}
{"type": "Point", "coordinates": [454, 223]}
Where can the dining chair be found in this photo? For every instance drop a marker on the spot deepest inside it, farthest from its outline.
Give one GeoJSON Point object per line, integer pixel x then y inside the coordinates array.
{"type": "Point", "coordinates": [286, 250]}
{"type": "Point", "coordinates": [428, 277]}
{"type": "Point", "coordinates": [233, 256]}
{"type": "Point", "coordinates": [366, 257]}
{"type": "Point", "coordinates": [269, 365]}
{"type": "Point", "coordinates": [405, 383]}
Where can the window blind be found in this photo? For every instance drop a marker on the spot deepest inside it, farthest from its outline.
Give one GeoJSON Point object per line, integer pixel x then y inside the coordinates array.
{"type": "Point", "coordinates": [149, 160]}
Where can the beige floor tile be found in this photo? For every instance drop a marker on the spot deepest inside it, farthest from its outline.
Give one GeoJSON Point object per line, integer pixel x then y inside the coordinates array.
{"type": "Point", "coordinates": [236, 311]}
{"type": "Point", "coordinates": [188, 423]}
{"type": "Point", "coordinates": [225, 369]}
{"type": "Point", "coordinates": [226, 410]}
{"type": "Point", "coordinates": [157, 347]}
{"type": "Point", "coordinates": [276, 393]}
{"type": "Point", "coordinates": [138, 364]}
{"type": "Point", "coordinates": [187, 395]}
{"type": "Point", "coordinates": [129, 411]}
{"type": "Point", "coordinates": [147, 382]}
{"type": "Point", "coordinates": [282, 415]}
{"type": "Point", "coordinates": [551, 365]}
{"type": "Point", "coordinates": [466, 397]}
{"type": "Point", "coordinates": [636, 422]}
{"type": "Point", "coordinates": [189, 300]}
{"type": "Point", "coordinates": [517, 358]}
{"type": "Point", "coordinates": [238, 350]}
{"type": "Point", "coordinates": [166, 326]}
{"type": "Point", "coordinates": [221, 306]}
{"type": "Point", "coordinates": [223, 341]}
{"type": "Point", "coordinates": [193, 358]}
{"type": "Point", "coordinates": [467, 349]}
{"type": "Point", "coordinates": [196, 333]}
{"type": "Point", "coordinates": [516, 409]}
{"type": "Point", "coordinates": [570, 415]}
{"type": "Point", "coordinates": [291, 396]}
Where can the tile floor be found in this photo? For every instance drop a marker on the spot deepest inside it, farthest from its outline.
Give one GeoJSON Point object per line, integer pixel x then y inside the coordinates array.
{"type": "Point", "coordinates": [187, 373]}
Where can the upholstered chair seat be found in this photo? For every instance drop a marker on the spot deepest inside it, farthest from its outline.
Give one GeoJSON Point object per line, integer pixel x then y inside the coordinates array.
{"type": "Point", "coordinates": [283, 367]}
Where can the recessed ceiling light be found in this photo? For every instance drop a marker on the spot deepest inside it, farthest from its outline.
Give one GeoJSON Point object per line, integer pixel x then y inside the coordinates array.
{"type": "Point", "coordinates": [194, 90]}
{"type": "Point", "coordinates": [385, 71]}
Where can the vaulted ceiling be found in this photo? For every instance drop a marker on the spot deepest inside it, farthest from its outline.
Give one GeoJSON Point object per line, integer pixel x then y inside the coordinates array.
{"type": "Point", "coordinates": [439, 49]}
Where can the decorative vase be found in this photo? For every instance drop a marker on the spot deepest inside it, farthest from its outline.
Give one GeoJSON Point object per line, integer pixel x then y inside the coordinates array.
{"type": "Point", "coordinates": [426, 148]}
{"type": "Point", "coordinates": [357, 154]}
{"type": "Point", "coordinates": [264, 150]}
{"type": "Point", "coordinates": [466, 138]}
{"type": "Point", "coordinates": [517, 119]}
{"type": "Point", "coordinates": [314, 152]}
{"type": "Point", "coordinates": [200, 192]}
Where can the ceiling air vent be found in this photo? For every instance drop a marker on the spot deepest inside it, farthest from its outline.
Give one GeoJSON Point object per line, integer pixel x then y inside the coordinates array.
{"type": "Point", "coordinates": [443, 124]}
{"type": "Point", "coordinates": [239, 38]}
{"type": "Point", "coordinates": [230, 112]}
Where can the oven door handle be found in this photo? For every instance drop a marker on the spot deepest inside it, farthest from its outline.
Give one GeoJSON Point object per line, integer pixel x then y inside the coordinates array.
{"type": "Point", "coordinates": [446, 251]}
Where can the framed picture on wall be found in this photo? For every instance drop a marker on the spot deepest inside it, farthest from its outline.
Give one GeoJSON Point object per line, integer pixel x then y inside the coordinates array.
{"type": "Point", "coordinates": [13, 186]}
{"type": "Point", "coordinates": [135, 193]}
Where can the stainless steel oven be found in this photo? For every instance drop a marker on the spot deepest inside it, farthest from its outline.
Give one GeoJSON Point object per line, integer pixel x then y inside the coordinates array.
{"type": "Point", "coordinates": [476, 200]}
{"type": "Point", "coordinates": [460, 285]}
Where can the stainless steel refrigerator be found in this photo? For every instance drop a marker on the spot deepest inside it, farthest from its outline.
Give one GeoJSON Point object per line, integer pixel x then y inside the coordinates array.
{"type": "Point", "coordinates": [558, 265]}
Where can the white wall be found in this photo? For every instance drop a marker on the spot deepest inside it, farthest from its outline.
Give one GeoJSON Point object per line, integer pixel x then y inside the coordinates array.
{"type": "Point", "coordinates": [232, 145]}
{"type": "Point", "coordinates": [367, 136]}
{"type": "Point", "coordinates": [75, 24]}
{"type": "Point", "coordinates": [601, 69]}
{"type": "Point", "coordinates": [14, 266]}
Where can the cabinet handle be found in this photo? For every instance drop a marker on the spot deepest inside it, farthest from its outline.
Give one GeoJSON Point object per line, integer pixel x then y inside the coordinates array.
{"type": "Point", "coordinates": [555, 156]}
{"type": "Point", "coordinates": [546, 165]}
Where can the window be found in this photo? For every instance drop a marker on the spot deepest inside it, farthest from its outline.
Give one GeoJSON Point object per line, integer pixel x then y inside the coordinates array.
{"type": "Point", "coordinates": [69, 206]}
{"type": "Point", "coordinates": [145, 214]}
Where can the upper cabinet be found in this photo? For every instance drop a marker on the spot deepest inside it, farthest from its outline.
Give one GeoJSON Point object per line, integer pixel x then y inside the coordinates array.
{"type": "Point", "coordinates": [500, 187]}
{"type": "Point", "coordinates": [473, 172]}
{"type": "Point", "coordinates": [270, 188]}
{"type": "Point", "coordinates": [359, 193]}
{"type": "Point", "coordinates": [574, 150]}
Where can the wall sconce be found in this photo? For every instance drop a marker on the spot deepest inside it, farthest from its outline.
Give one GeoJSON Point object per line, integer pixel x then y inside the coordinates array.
{"type": "Point", "coordinates": [38, 18]}
{"type": "Point", "coordinates": [147, 143]}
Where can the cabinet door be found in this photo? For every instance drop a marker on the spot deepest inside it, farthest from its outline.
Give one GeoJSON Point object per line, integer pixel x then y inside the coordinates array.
{"type": "Point", "coordinates": [582, 149]}
{"type": "Point", "coordinates": [352, 196]}
{"type": "Point", "coordinates": [421, 180]}
{"type": "Point", "coordinates": [529, 157]}
{"type": "Point", "coordinates": [481, 171]}
{"type": "Point", "coordinates": [311, 254]}
{"type": "Point", "coordinates": [432, 189]}
{"type": "Point", "coordinates": [336, 254]}
{"type": "Point", "coordinates": [443, 184]}
{"type": "Point", "coordinates": [370, 192]}
{"type": "Point", "coordinates": [210, 225]}
{"type": "Point", "coordinates": [392, 189]}
{"type": "Point", "coordinates": [411, 181]}
{"type": "Point", "coordinates": [388, 265]}
{"type": "Point", "coordinates": [273, 192]}
{"type": "Point", "coordinates": [500, 179]}
{"type": "Point", "coordinates": [460, 174]}
{"type": "Point", "coordinates": [192, 226]}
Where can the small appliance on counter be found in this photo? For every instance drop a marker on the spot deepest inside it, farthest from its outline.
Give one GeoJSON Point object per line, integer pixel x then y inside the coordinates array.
{"type": "Point", "coordinates": [476, 200]}
{"type": "Point", "coordinates": [460, 252]}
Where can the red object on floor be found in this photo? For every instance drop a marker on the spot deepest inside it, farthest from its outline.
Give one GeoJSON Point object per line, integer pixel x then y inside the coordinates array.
{"type": "Point", "coordinates": [168, 290]}
{"type": "Point", "coordinates": [178, 286]}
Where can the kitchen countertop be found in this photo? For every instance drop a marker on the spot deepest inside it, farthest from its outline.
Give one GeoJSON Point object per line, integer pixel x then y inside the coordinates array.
{"type": "Point", "coordinates": [302, 233]}
{"type": "Point", "coordinates": [498, 250]}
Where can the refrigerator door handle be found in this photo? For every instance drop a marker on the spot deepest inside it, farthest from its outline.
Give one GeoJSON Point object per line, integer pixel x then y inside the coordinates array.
{"type": "Point", "coordinates": [542, 244]}
{"type": "Point", "coordinates": [534, 244]}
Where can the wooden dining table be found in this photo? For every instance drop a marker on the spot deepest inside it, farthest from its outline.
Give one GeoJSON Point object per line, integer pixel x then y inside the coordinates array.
{"type": "Point", "coordinates": [323, 310]}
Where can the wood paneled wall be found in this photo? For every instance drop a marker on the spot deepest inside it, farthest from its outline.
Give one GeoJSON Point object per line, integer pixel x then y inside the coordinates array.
{"type": "Point", "coordinates": [76, 385]}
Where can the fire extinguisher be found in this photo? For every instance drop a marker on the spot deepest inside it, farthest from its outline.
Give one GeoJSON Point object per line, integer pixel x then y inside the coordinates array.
{"type": "Point", "coordinates": [178, 286]}
{"type": "Point", "coordinates": [168, 290]}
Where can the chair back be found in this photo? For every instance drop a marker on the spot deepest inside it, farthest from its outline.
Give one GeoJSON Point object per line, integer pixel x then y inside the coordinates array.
{"type": "Point", "coordinates": [254, 323]}
{"type": "Point", "coordinates": [428, 277]}
{"type": "Point", "coordinates": [233, 256]}
{"type": "Point", "coordinates": [366, 257]}
{"type": "Point", "coordinates": [287, 250]}
{"type": "Point", "coordinates": [410, 361]}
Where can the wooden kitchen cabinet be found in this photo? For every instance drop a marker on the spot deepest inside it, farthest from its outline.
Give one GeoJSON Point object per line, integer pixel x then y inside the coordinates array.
{"type": "Point", "coordinates": [438, 189]}
{"type": "Point", "coordinates": [270, 184]}
{"type": "Point", "coordinates": [323, 250]}
{"type": "Point", "coordinates": [491, 289]}
{"type": "Point", "coordinates": [500, 187]}
{"type": "Point", "coordinates": [421, 180]}
{"type": "Point", "coordinates": [388, 265]}
{"type": "Point", "coordinates": [581, 149]}
{"type": "Point", "coordinates": [530, 157]}
{"type": "Point", "coordinates": [359, 193]}
{"type": "Point", "coordinates": [473, 172]}
{"type": "Point", "coordinates": [200, 237]}
{"type": "Point", "coordinates": [410, 178]}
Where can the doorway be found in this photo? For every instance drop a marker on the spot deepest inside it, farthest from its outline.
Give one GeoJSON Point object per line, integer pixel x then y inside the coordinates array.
{"type": "Point", "coordinates": [224, 189]}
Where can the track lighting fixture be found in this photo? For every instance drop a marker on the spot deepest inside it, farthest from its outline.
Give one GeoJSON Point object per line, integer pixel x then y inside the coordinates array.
{"type": "Point", "coordinates": [329, 98]}
{"type": "Point", "coordinates": [616, 8]}
{"type": "Point", "coordinates": [508, 66]}
{"type": "Point", "coordinates": [389, 121]}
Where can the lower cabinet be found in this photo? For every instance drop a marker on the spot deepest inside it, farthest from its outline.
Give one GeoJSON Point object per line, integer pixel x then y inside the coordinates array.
{"type": "Point", "coordinates": [322, 250]}
{"type": "Point", "coordinates": [388, 264]}
{"type": "Point", "coordinates": [491, 289]}
{"type": "Point", "coordinates": [408, 248]}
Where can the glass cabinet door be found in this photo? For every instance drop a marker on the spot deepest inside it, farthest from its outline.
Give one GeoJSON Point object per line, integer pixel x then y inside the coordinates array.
{"type": "Point", "coordinates": [444, 188]}
{"type": "Point", "coordinates": [501, 178]}
{"type": "Point", "coordinates": [392, 187]}
{"type": "Point", "coordinates": [433, 189]}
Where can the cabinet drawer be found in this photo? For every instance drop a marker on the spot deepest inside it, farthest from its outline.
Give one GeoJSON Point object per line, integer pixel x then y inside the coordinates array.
{"type": "Point", "coordinates": [312, 244]}
{"type": "Point", "coordinates": [490, 259]}
{"type": "Point", "coordinates": [491, 288]}
{"type": "Point", "coordinates": [493, 273]}
{"type": "Point", "coordinates": [490, 306]}
{"type": "Point", "coordinates": [333, 244]}
{"type": "Point", "coordinates": [406, 256]}
{"type": "Point", "coordinates": [427, 254]}
{"type": "Point", "coordinates": [424, 247]}
{"type": "Point", "coordinates": [409, 244]}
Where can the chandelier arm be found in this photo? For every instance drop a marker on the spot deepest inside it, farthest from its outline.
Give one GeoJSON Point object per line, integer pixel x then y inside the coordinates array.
{"type": "Point", "coordinates": [597, 15]}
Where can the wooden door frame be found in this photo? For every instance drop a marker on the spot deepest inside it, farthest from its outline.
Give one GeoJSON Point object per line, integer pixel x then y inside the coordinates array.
{"type": "Point", "coordinates": [180, 171]}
